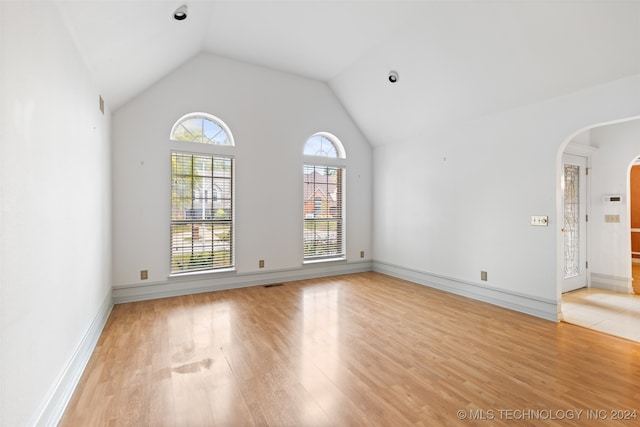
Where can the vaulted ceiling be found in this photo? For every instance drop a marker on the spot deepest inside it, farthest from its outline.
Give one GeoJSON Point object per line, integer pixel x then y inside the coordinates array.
{"type": "Point", "coordinates": [456, 60]}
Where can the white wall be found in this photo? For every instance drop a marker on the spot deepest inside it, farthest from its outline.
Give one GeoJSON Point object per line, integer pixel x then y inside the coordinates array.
{"type": "Point", "coordinates": [610, 243]}
{"type": "Point", "coordinates": [450, 204]}
{"type": "Point", "coordinates": [271, 114]}
{"type": "Point", "coordinates": [55, 212]}
{"type": "Point", "coordinates": [1, 219]}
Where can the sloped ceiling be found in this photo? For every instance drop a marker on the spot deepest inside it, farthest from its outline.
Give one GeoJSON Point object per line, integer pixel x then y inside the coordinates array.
{"type": "Point", "coordinates": [456, 60]}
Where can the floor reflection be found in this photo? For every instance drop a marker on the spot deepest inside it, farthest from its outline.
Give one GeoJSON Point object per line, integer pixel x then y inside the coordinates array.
{"type": "Point", "coordinates": [199, 336]}
{"type": "Point", "coordinates": [320, 337]}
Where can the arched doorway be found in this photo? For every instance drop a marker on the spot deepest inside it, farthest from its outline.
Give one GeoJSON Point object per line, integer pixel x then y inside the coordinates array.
{"type": "Point", "coordinates": [614, 152]}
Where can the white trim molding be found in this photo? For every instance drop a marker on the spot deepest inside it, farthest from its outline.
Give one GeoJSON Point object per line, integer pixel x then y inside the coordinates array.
{"type": "Point", "coordinates": [579, 149]}
{"type": "Point", "coordinates": [194, 284]}
{"type": "Point", "coordinates": [612, 283]}
{"type": "Point", "coordinates": [535, 306]}
{"type": "Point", "coordinates": [60, 394]}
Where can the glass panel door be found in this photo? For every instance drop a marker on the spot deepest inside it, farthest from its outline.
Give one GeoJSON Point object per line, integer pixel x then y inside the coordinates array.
{"type": "Point", "coordinates": [571, 220]}
{"type": "Point", "coordinates": [574, 223]}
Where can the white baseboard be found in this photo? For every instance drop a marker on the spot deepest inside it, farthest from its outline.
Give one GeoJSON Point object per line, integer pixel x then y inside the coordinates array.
{"type": "Point", "coordinates": [231, 280]}
{"type": "Point", "coordinates": [535, 306]}
{"type": "Point", "coordinates": [612, 283]}
{"type": "Point", "coordinates": [58, 398]}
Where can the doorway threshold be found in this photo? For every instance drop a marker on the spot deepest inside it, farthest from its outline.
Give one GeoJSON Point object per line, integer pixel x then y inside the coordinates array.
{"type": "Point", "coordinates": [604, 311]}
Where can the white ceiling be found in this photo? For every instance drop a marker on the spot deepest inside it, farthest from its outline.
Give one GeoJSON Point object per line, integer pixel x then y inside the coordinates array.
{"type": "Point", "coordinates": [456, 60]}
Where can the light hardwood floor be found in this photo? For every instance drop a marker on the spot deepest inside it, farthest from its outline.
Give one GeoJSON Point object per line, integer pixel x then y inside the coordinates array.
{"type": "Point", "coordinates": [356, 350]}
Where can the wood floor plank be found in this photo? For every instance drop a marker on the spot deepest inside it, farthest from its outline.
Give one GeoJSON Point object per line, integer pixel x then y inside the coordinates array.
{"type": "Point", "coordinates": [362, 349]}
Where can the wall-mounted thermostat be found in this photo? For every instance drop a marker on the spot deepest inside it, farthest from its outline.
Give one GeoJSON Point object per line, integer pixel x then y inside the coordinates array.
{"type": "Point", "coordinates": [612, 198]}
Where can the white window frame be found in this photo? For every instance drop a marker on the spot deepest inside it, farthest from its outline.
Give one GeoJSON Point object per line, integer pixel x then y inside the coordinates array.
{"type": "Point", "coordinates": [330, 162]}
{"type": "Point", "coordinates": [207, 150]}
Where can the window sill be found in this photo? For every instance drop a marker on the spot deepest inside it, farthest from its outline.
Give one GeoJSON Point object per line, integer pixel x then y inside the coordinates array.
{"type": "Point", "coordinates": [324, 260]}
{"type": "Point", "coordinates": [202, 273]}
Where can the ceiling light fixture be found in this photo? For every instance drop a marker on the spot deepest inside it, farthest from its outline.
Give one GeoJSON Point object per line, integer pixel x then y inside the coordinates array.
{"type": "Point", "coordinates": [393, 76]}
{"type": "Point", "coordinates": [181, 13]}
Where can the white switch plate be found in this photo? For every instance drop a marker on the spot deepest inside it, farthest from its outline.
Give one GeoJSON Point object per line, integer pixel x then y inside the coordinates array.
{"type": "Point", "coordinates": [539, 220]}
{"type": "Point", "coordinates": [612, 218]}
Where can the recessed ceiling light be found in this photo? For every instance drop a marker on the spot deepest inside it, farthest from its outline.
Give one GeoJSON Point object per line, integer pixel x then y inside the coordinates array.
{"type": "Point", "coordinates": [393, 76]}
{"type": "Point", "coordinates": [181, 13]}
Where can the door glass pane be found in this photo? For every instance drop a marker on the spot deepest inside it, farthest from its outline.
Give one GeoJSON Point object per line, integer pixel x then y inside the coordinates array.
{"type": "Point", "coordinates": [571, 221]}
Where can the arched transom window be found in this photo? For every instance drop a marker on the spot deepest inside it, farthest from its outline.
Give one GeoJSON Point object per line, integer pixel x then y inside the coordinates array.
{"type": "Point", "coordinates": [201, 128]}
{"type": "Point", "coordinates": [324, 144]}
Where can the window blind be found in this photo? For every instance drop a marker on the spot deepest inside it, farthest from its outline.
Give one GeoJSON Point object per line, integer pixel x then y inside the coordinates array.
{"type": "Point", "coordinates": [201, 212]}
{"type": "Point", "coordinates": [323, 213]}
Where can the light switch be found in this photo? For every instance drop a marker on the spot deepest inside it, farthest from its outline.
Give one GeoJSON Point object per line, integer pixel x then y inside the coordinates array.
{"type": "Point", "coordinates": [612, 218]}
{"type": "Point", "coordinates": [540, 220]}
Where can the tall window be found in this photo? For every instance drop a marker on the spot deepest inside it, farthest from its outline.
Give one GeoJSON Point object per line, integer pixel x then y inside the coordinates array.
{"type": "Point", "coordinates": [201, 197]}
{"type": "Point", "coordinates": [323, 182]}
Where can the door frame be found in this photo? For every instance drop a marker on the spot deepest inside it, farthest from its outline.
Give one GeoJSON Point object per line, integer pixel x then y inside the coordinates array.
{"type": "Point", "coordinates": [583, 150]}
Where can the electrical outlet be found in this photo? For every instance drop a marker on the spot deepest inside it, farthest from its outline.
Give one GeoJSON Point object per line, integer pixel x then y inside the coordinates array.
{"type": "Point", "coordinates": [261, 263]}
{"type": "Point", "coordinates": [361, 254]}
{"type": "Point", "coordinates": [144, 274]}
{"type": "Point", "coordinates": [483, 276]}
